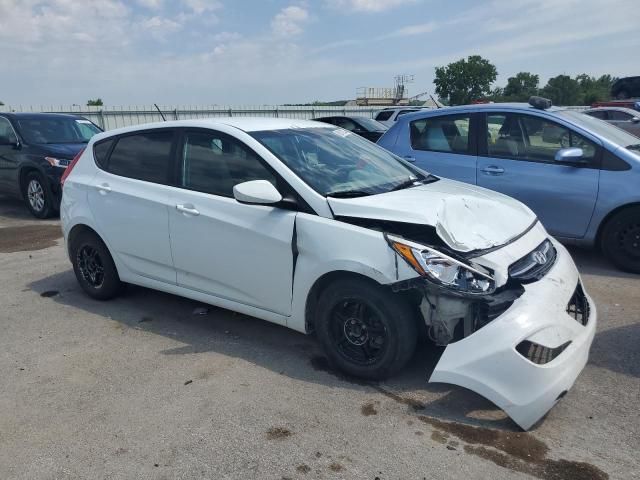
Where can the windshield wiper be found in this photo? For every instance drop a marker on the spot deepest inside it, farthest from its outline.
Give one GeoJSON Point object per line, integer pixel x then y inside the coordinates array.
{"type": "Point", "coordinates": [635, 146]}
{"type": "Point", "coordinates": [410, 182]}
{"type": "Point", "coordinates": [348, 194]}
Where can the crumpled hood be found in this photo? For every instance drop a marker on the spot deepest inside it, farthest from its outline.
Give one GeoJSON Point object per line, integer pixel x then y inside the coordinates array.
{"type": "Point", "coordinates": [465, 217]}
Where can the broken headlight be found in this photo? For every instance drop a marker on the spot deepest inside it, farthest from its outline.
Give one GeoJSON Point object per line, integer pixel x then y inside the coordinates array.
{"type": "Point", "coordinates": [442, 269]}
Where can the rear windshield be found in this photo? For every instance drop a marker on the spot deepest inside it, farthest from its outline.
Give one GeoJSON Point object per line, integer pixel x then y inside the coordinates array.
{"type": "Point", "coordinates": [46, 130]}
{"type": "Point", "coordinates": [384, 115]}
{"type": "Point", "coordinates": [371, 124]}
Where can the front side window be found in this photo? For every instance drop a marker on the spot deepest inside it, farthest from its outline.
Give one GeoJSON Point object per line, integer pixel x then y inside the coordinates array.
{"type": "Point", "coordinates": [334, 162]}
{"type": "Point", "coordinates": [619, 116]}
{"type": "Point", "coordinates": [143, 156]}
{"type": "Point", "coordinates": [213, 162]}
{"type": "Point", "coordinates": [448, 133]}
{"type": "Point", "coordinates": [527, 137]}
{"type": "Point", "coordinates": [56, 130]}
{"type": "Point", "coordinates": [6, 131]}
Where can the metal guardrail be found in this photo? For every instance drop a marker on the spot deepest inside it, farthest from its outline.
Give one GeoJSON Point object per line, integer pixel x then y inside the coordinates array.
{"type": "Point", "coordinates": [114, 117]}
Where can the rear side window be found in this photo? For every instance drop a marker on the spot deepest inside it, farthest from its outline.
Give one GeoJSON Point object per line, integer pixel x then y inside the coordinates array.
{"type": "Point", "coordinates": [144, 156]}
{"type": "Point", "coordinates": [618, 115]}
{"type": "Point", "coordinates": [384, 115]}
{"type": "Point", "coordinates": [448, 133]}
{"type": "Point", "coordinates": [100, 152]}
{"type": "Point", "coordinates": [601, 114]}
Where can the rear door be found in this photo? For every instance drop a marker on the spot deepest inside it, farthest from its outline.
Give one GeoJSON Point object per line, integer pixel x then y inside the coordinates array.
{"type": "Point", "coordinates": [221, 247]}
{"type": "Point", "coordinates": [8, 158]}
{"type": "Point", "coordinates": [444, 145]}
{"type": "Point", "coordinates": [129, 200]}
{"type": "Point", "coordinates": [517, 159]}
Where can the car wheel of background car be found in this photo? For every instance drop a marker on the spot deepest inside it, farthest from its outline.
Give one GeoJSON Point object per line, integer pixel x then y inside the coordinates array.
{"type": "Point", "coordinates": [622, 95]}
{"type": "Point", "coordinates": [365, 329]}
{"type": "Point", "coordinates": [37, 195]}
{"type": "Point", "coordinates": [620, 240]}
{"type": "Point", "coordinates": [94, 267]}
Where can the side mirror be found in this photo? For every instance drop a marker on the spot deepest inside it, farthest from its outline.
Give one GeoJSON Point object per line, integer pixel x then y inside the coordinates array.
{"type": "Point", "coordinates": [9, 141]}
{"type": "Point", "coordinates": [570, 155]}
{"type": "Point", "coordinates": [635, 120]}
{"type": "Point", "coordinates": [256, 192]}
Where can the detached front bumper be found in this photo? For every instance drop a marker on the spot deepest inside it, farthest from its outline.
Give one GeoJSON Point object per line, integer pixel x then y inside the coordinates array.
{"type": "Point", "coordinates": [526, 385]}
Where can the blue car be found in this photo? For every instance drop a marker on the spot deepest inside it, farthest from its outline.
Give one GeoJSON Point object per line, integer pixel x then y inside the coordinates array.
{"type": "Point", "coordinates": [580, 175]}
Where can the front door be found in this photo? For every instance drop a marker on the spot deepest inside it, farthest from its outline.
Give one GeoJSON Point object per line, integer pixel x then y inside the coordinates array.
{"type": "Point", "coordinates": [221, 247]}
{"type": "Point", "coordinates": [518, 160]}
{"type": "Point", "coordinates": [442, 145]}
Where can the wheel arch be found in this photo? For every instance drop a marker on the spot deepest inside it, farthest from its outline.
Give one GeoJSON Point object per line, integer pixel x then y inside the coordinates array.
{"type": "Point", "coordinates": [608, 217]}
{"type": "Point", "coordinates": [22, 176]}
{"type": "Point", "coordinates": [76, 231]}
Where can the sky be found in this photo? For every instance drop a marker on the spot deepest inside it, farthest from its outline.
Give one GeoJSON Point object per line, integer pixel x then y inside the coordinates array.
{"type": "Point", "coordinates": [242, 52]}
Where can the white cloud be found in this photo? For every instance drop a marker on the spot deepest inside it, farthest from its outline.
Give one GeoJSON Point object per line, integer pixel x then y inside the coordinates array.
{"type": "Point", "coordinates": [202, 6]}
{"type": "Point", "coordinates": [411, 30]}
{"type": "Point", "coordinates": [150, 4]}
{"type": "Point", "coordinates": [368, 5]}
{"type": "Point", "coordinates": [289, 21]}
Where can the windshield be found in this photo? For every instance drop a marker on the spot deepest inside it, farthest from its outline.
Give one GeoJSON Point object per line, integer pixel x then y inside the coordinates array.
{"type": "Point", "coordinates": [335, 162]}
{"type": "Point", "coordinates": [56, 130]}
{"type": "Point", "coordinates": [371, 125]}
{"type": "Point", "coordinates": [602, 128]}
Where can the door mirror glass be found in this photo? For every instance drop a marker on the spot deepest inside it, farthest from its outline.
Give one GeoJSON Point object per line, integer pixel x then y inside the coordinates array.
{"type": "Point", "coordinates": [635, 119]}
{"type": "Point", "coordinates": [256, 192]}
{"type": "Point", "coordinates": [570, 155]}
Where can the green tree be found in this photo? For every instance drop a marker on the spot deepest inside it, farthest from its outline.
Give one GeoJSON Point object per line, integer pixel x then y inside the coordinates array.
{"type": "Point", "coordinates": [521, 87]}
{"type": "Point", "coordinates": [95, 103]}
{"type": "Point", "coordinates": [595, 89]}
{"type": "Point", "coordinates": [563, 90]}
{"type": "Point", "coordinates": [465, 80]}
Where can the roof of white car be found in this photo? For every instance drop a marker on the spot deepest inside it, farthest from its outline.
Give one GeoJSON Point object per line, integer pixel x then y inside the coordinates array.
{"type": "Point", "coordinates": [247, 124]}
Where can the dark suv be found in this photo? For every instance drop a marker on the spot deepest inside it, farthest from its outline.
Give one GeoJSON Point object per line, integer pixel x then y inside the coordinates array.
{"type": "Point", "coordinates": [627, 87]}
{"type": "Point", "coordinates": [35, 149]}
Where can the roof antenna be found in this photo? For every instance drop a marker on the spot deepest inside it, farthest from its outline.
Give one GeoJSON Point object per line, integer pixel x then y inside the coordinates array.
{"type": "Point", "coordinates": [160, 112]}
{"type": "Point", "coordinates": [434, 101]}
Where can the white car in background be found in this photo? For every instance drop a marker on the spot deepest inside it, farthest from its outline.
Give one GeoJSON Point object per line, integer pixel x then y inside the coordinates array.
{"type": "Point", "coordinates": [389, 115]}
{"type": "Point", "coordinates": [310, 226]}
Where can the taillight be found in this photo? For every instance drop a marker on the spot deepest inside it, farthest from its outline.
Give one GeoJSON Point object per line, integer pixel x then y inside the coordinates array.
{"type": "Point", "coordinates": [70, 167]}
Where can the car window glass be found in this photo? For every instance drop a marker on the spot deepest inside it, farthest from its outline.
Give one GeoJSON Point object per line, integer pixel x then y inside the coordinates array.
{"type": "Point", "coordinates": [601, 114]}
{"type": "Point", "coordinates": [384, 115]}
{"type": "Point", "coordinates": [6, 130]}
{"type": "Point", "coordinates": [346, 124]}
{"type": "Point", "coordinates": [214, 162]}
{"type": "Point", "coordinates": [441, 134]}
{"type": "Point", "coordinates": [527, 137]}
{"type": "Point", "coordinates": [402, 112]}
{"type": "Point", "coordinates": [100, 152]}
{"type": "Point", "coordinates": [144, 156]}
{"type": "Point", "coordinates": [620, 116]}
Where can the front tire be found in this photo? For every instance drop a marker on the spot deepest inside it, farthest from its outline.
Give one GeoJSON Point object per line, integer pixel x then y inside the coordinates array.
{"type": "Point", "coordinates": [620, 240]}
{"type": "Point", "coordinates": [365, 329]}
{"type": "Point", "coordinates": [37, 195]}
{"type": "Point", "coordinates": [94, 267]}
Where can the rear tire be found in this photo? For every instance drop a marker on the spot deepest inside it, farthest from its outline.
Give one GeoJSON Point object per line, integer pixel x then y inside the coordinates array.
{"type": "Point", "coordinates": [620, 240]}
{"type": "Point", "coordinates": [94, 267]}
{"type": "Point", "coordinates": [365, 329]}
{"type": "Point", "coordinates": [37, 195]}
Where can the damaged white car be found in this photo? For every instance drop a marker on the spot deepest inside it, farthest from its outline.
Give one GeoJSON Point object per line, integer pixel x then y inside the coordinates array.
{"type": "Point", "coordinates": [309, 226]}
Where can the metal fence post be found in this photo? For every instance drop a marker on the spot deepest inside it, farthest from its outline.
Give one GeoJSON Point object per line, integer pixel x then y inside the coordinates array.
{"type": "Point", "coordinates": [101, 119]}
{"type": "Point", "coordinates": [175, 114]}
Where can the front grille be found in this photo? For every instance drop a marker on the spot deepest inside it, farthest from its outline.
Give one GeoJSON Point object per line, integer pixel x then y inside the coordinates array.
{"type": "Point", "coordinates": [539, 354]}
{"type": "Point", "coordinates": [535, 264]}
{"type": "Point", "coordinates": [578, 306]}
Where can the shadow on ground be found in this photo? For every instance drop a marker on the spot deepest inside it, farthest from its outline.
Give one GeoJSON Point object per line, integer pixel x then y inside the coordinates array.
{"type": "Point", "coordinates": [271, 346]}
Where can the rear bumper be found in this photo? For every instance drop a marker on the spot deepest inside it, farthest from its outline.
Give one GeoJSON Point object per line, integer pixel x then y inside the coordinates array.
{"type": "Point", "coordinates": [488, 363]}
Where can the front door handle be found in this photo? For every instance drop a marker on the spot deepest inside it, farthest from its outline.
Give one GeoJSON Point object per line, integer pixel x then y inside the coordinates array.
{"type": "Point", "coordinates": [188, 209]}
{"type": "Point", "coordinates": [409, 158]}
{"type": "Point", "coordinates": [103, 188]}
{"type": "Point", "coordinates": [493, 170]}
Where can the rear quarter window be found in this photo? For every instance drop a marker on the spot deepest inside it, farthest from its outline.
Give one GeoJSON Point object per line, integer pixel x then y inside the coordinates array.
{"type": "Point", "coordinates": [144, 156]}
{"type": "Point", "coordinates": [101, 152]}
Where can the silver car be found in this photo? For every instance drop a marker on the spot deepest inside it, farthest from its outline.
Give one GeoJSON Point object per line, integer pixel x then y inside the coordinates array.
{"type": "Point", "coordinates": [621, 117]}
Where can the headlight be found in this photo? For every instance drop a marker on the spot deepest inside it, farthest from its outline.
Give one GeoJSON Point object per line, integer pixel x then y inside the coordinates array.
{"type": "Point", "coordinates": [58, 162]}
{"type": "Point", "coordinates": [442, 269]}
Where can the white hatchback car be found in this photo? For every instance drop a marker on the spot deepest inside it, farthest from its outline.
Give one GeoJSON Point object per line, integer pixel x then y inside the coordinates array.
{"type": "Point", "coordinates": [309, 226]}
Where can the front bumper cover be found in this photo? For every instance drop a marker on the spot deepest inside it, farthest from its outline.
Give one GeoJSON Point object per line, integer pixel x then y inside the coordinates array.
{"type": "Point", "coordinates": [488, 363]}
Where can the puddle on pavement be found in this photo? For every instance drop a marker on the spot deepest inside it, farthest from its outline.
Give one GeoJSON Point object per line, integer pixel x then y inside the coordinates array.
{"type": "Point", "coordinates": [28, 238]}
{"type": "Point", "coordinates": [49, 293]}
{"type": "Point", "coordinates": [278, 433]}
{"type": "Point", "coordinates": [517, 451]}
{"type": "Point", "coordinates": [368, 409]}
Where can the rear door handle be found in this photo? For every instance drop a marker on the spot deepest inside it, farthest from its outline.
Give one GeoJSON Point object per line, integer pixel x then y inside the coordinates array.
{"type": "Point", "coordinates": [188, 209]}
{"type": "Point", "coordinates": [103, 188]}
{"type": "Point", "coordinates": [409, 158]}
{"type": "Point", "coordinates": [493, 170]}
